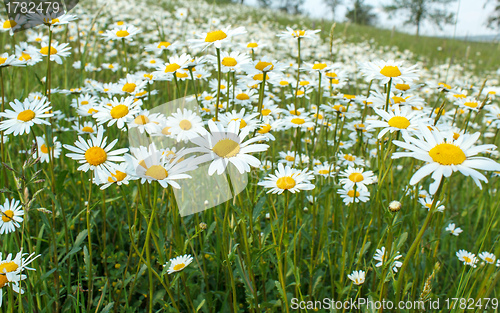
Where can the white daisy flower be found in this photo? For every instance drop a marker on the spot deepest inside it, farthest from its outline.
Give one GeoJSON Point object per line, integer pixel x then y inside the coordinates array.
{"type": "Point", "coordinates": [357, 277]}
{"type": "Point", "coordinates": [216, 37]}
{"type": "Point", "coordinates": [179, 263]}
{"type": "Point", "coordinates": [404, 120]}
{"type": "Point", "coordinates": [467, 257]}
{"type": "Point", "coordinates": [358, 177]}
{"type": "Point", "coordinates": [382, 258]}
{"type": "Point", "coordinates": [287, 178]}
{"type": "Point", "coordinates": [57, 51]}
{"type": "Point", "coordinates": [384, 71]}
{"type": "Point", "coordinates": [25, 115]}
{"type": "Point", "coordinates": [427, 203]}
{"type": "Point", "coordinates": [124, 32]}
{"type": "Point", "coordinates": [11, 215]}
{"type": "Point", "coordinates": [94, 154]}
{"type": "Point", "coordinates": [488, 257]}
{"type": "Point", "coordinates": [300, 33]}
{"type": "Point", "coordinates": [225, 145]}
{"type": "Point", "coordinates": [146, 121]}
{"type": "Point", "coordinates": [444, 155]}
{"type": "Point", "coordinates": [117, 111]}
{"type": "Point", "coordinates": [43, 150]}
{"type": "Point", "coordinates": [11, 271]}
{"type": "Point", "coordinates": [185, 125]}
{"type": "Point", "coordinates": [10, 60]}
{"type": "Point", "coordinates": [453, 229]}
{"type": "Point", "coordinates": [348, 195]}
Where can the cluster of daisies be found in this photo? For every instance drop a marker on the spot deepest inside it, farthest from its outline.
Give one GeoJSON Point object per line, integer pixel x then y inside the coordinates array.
{"type": "Point", "coordinates": [253, 98]}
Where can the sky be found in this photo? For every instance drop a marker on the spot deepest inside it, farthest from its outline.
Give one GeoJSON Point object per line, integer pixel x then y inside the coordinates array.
{"type": "Point", "coordinates": [472, 16]}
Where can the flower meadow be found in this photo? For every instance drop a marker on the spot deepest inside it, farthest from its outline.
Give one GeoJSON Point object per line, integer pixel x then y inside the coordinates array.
{"type": "Point", "coordinates": [369, 173]}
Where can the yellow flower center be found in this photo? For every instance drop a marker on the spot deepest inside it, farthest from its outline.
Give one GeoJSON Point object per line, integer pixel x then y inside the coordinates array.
{"type": "Point", "coordinates": [264, 129]}
{"type": "Point", "coordinates": [226, 148]}
{"type": "Point", "coordinates": [119, 111]}
{"type": "Point", "coordinates": [403, 87]}
{"type": "Point", "coordinates": [472, 105]}
{"type": "Point", "coordinates": [260, 77]}
{"type": "Point", "coordinates": [165, 131]}
{"type": "Point", "coordinates": [6, 268]}
{"type": "Point", "coordinates": [489, 260]}
{"type": "Point", "coordinates": [26, 115]}
{"type": "Point", "coordinates": [459, 96]}
{"type": "Point", "coordinates": [8, 24]}
{"type": "Point", "coordinates": [303, 83]}
{"type": "Point", "coordinates": [319, 66]}
{"type": "Point", "coordinates": [298, 121]}
{"type": "Point", "coordinates": [242, 122]}
{"type": "Point", "coordinates": [208, 98]}
{"type": "Point", "coordinates": [122, 33]}
{"type": "Point", "coordinates": [295, 112]}
{"type": "Point", "coordinates": [129, 87]}
{"type": "Point", "coordinates": [324, 172]}
{"type": "Point", "coordinates": [456, 136]}
{"type": "Point", "coordinates": [157, 172]}
{"type": "Point", "coordinates": [349, 97]}
{"type": "Point", "coordinates": [163, 44]}
{"type": "Point", "coordinates": [284, 83]}
{"type": "Point", "coordinates": [7, 216]}
{"type": "Point", "coordinates": [44, 149]}
{"type": "Point", "coordinates": [298, 33]}
{"type": "Point", "coordinates": [228, 61]}
{"type": "Point", "coordinates": [242, 96]}
{"type": "Point", "coordinates": [118, 176]}
{"type": "Point", "coordinates": [84, 102]}
{"type": "Point", "coordinates": [24, 57]}
{"type": "Point", "coordinates": [349, 157]}
{"type": "Point", "coordinates": [289, 158]}
{"type": "Point", "coordinates": [261, 65]}
{"type": "Point", "coordinates": [92, 111]}
{"type": "Point", "coordinates": [300, 92]}
{"type": "Point", "coordinates": [350, 193]}
{"type": "Point", "coordinates": [390, 71]}
{"type": "Point", "coordinates": [252, 45]}
{"type": "Point", "coordinates": [356, 177]}
{"type": "Point", "coordinates": [179, 266]}
{"type": "Point", "coordinates": [444, 85]}
{"type": "Point", "coordinates": [87, 129]}
{"type": "Point", "coordinates": [181, 75]}
{"type": "Point", "coordinates": [285, 182]}
{"type": "Point", "coordinates": [331, 74]}
{"type": "Point", "coordinates": [339, 107]}
{"type": "Point", "coordinates": [266, 112]}
{"type": "Point", "coordinates": [45, 50]}
{"type": "Point", "coordinates": [398, 99]}
{"type": "Point", "coordinates": [141, 120]}
{"type": "Point", "coordinates": [185, 125]}
{"type": "Point", "coordinates": [400, 122]}
{"type": "Point", "coordinates": [148, 76]}
{"type": "Point", "coordinates": [96, 156]}
{"type": "Point", "coordinates": [467, 259]}
{"type": "Point", "coordinates": [2, 60]}
{"type": "Point", "coordinates": [215, 35]}
{"type": "Point", "coordinates": [170, 68]}
{"type": "Point", "coordinates": [447, 154]}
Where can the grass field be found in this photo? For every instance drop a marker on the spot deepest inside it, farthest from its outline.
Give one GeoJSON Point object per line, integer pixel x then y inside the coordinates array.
{"type": "Point", "coordinates": [364, 167]}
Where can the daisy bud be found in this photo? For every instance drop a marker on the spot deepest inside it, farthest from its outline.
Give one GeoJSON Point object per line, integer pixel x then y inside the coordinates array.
{"type": "Point", "coordinates": [394, 206]}
{"type": "Point", "coordinates": [306, 209]}
{"type": "Point", "coordinates": [206, 202]}
{"type": "Point", "coordinates": [203, 226]}
{"type": "Point", "coordinates": [268, 216]}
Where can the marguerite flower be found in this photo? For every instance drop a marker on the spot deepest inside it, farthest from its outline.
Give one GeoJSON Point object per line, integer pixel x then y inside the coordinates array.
{"type": "Point", "coordinates": [225, 145]}
{"type": "Point", "coordinates": [488, 257]}
{"type": "Point", "coordinates": [11, 271]}
{"type": "Point", "coordinates": [358, 177]}
{"type": "Point", "coordinates": [57, 51]}
{"type": "Point", "coordinates": [384, 71]}
{"type": "Point", "coordinates": [382, 258]}
{"type": "Point", "coordinates": [11, 215]}
{"type": "Point", "coordinates": [120, 112]}
{"type": "Point", "coordinates": [444, 155]}
{"type": "Point", "coordinates": [349, 195]}
{"type": "Point", "coordinates": [216, 37]}
{"type": "Point", "coordinates": [179, 263]}
{"type": "Point", "coordinates": [44, 152]}
{"type": "Point", "coordinates": [124, 32]}
{"type": "Point", "coordinates": [25, 115]}
{"type": "Point", "coordinates": [94, 154]}
{"type": "Point", "coordinates": [453, 230]}
{"type": "Point", "coordinates": [287, 178]}
{"type": "Point", "coordinates": [467, 257]}
{"type": "Point", "coordinates": [300, 33]}
{"type": "Point", "coordinates": [404, 120]}
{"type": "Point", "coordinates": [185, 125]}
{"type": "Point", "coordinates": [357, 277]}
